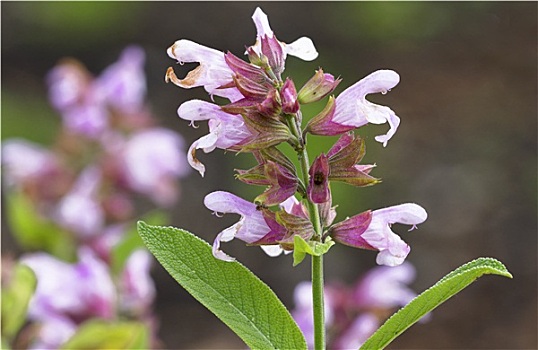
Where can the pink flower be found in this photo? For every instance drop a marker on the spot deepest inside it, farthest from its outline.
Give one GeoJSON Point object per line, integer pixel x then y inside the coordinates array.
{"type": "Point", "coordinates": [137, 287]}
{"type": "Point", "coordinates": [23, 160]}
{"type": "Point", "coordinates": [80, 209]}
{"type": "Point", "coordinates": [251, 227]}
{"type": "Point", "coordinates": [358, 332]}
{"type": "Point", "coordinates": [153, 160]}
{"type": "Point", "coordinates": [351, 109]}
{"type": "Point", "coordinates": [386, 287]}
{"type": "Point", "coordinates": [213, 73]}
{"type": "Point", "coordinates": [392, 249]}
{"type": "Point", "coordinates": [225, 130]}
{"type": "Point", "coordinates": [371, 230]}
{"type": "Point", "coordinates": [123, 84]}
{"type": "Point", "coordinates": [302, 48]}
{"type": "Point", "coordinates": [78, 291]}
{"type": "Point", "coordinates": [53, 332]}
{"type": "Point", "coordinates": [74, 94]}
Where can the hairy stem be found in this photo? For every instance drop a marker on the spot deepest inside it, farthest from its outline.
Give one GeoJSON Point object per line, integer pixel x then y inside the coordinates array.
{"type": "Point", "coordinates": [317, 261]}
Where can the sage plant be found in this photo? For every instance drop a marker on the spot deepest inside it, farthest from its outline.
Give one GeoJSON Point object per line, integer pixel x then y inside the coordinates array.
{"type": "Point", "coordinates": [262, 116]}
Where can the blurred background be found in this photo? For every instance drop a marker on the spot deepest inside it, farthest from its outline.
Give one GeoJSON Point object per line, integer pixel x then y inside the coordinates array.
{"type": "Point", "coordinates": [465, 150]}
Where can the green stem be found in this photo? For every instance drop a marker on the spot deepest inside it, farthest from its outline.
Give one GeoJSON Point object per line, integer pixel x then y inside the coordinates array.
{"type": "Point", "coordinates": [317, 261]}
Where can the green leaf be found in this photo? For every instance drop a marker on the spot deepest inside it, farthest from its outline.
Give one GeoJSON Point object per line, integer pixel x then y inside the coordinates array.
{"type": "Point", "coordinates": [33, 231]}
{"type": "Point", "coordinates": [99, 334]}
{"type": "Point", "coordinates": [302, 247]}
{"type": "Point", "coordinates": [448, 286]}
{"type": "Point", "coordinates": [15, 298]}
{"type": "Point", "coordinates": [228, 289]}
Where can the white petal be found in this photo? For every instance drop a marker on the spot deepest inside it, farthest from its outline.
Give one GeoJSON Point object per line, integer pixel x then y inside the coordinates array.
{"type": "Point", "coordinates": [302, 48]}
{"type": "Point", "coordinates": [207, 143]}
{"type": "Point", "coordinates": [226, 202]}
{"type": "Point", "coordinates": [217, 253]}
{"type": "Point", "coordinates": [212, 72]}
{"type": "Point", "coordinates": [262, 23]}
{"type": "Point", "coordinates": [272, 250]}
{"type": "Point", "coordinates": [407, 213]}
{"type": "Point", "coordinates": [384, 257]}
{"type": "Point", "coordinates": [394, 122]}
{"type": "Point", "coordinates": [196, 110]}
{"type": "Point", "coordinates": [188, 51]}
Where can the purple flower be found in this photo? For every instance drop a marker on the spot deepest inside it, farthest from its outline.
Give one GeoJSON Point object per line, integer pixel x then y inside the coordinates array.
{"type": "Point", "coordinates": [214, 74]}
{"type": "Point", "coordinates": [153, 160]}
{"type": "Point", "coordinates": [137, 287]}
{"type": "Point", "coordinates": [73, 93]}
{"type": "Point", "coordinates": [251, 227]}
{"type": "Point", "coordinates": [225, 130]}
{"type": "Point", "coordinates": [351, 110]}
{"type": "Point", "coordinates": [358, 332]}
{"type": "Point", "coordinates": [23, 160]}
{"type": "Point", "coordinates": [302, 48]}
{"type": "Point", "coordinates": [385, 287]}
{"type": "Point", "coordinates": [53, 332]}
{"type": "Point", "coordinates": [392, 249]}
{"type": "Point", "coordinates": [79, 291]}
{"type": "Point", "coordinates": [123, 84]}
{"type": "Point", "coordinates": [371, 230]}
{"type": "Point", "coordinates": [80, 209]}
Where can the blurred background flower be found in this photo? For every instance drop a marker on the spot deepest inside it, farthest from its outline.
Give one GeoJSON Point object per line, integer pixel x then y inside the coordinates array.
{"type": "Point", "coordinates": [465, 149]}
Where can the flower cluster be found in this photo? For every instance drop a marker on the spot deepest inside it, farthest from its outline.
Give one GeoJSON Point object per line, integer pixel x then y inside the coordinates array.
{"type": "Point", "coordinates": [264, 111]}
{"type": "Point", "coordinates": [353, 313]}
{"type": "Point", "coordinates": [80, 196]}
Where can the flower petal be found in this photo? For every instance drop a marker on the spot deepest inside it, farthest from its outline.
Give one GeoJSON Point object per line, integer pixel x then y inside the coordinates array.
{"type": "Point", "coordinates": [302, 48]}
{"type": "Point", "coordinates": [212, 73]}
{"type": "Point", "coordinates": [252, 226]}
{"type": "Point", "coordinates": [262, 23]}
{"type": "Point", "coordinates": [226, 202]}
{"type": "Point", "coordinates": [196, 110]}
{"type": "Point", "coordinates": [353, 109]}
{"type": "Point", "coordinates": [217, 253]}
{"type": "Point", "coordinates": [207, 143]}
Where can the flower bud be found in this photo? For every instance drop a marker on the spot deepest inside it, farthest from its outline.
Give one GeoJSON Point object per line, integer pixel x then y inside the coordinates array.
{"type": "Point", "coordinates": [270, 107]}
{"type": "Point", "coordinates": [288, 94]}
{"type": "Point", "coordinates": [319, 86]}
{"type": "Point", "coordinates": [272, 49]}
{"type": "Point", "coordinates": [318, 187]}
{"type": "Point", "coordinates": [254, 57]}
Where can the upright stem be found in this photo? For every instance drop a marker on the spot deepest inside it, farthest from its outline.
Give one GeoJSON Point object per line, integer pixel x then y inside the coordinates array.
{"type": "Point", "coordinates": [317, 261]}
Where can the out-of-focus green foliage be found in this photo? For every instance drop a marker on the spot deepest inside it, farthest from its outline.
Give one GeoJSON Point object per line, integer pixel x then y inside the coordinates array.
{"type": "Point", "coordinates": [32, 231]}
{"type": "Point", "coordinates": [103, 335]}
{"type": "Point", "coordinates": [15, 298]}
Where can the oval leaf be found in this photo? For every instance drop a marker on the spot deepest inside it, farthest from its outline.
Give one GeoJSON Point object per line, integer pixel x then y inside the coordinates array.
{"type": "Point", "coordinates": [16, 296]}
{"type": "Point", "coordinates": [448, 286]}
{"type": "Point", "coordinates": [102, 335]}
{"type": "Point", "coordinates": [228, 289]}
